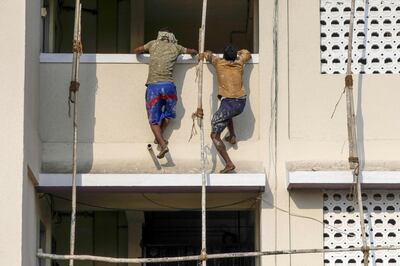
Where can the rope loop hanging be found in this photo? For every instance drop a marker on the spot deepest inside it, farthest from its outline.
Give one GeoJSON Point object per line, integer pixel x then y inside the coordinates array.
{"type": "Point", "coordinates": [199, 114]}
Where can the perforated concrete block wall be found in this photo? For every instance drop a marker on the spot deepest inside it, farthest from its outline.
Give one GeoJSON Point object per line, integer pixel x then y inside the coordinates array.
{"type": "Point", "coordinates": [376, 46]}
{"type": "Point", "coordinates": [342, 227]}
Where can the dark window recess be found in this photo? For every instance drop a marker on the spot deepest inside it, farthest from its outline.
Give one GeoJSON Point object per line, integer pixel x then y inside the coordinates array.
{"type": "Point", "coordinates": [117, 26]}
{"type": "Point", "coordinates": [167, 234]}
{"type": "Point", "coordinates": [42, 242]}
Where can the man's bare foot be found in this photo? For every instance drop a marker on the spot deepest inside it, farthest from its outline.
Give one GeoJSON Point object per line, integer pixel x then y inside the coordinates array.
{"type": "Point", "coordinates": [158, 145]}
{"type": "Point", "coordinates": [163, 150]}
{"type": "Point", "coordinates": [228, 169]}
{"type": "Point", "coordinates": [231, 139]}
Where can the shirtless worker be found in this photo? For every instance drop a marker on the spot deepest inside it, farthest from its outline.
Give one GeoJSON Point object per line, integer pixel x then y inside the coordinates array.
{"type": "Point", "coordinates": [232, 95]}
{"type": "Point", "coordinates": [161, 95]}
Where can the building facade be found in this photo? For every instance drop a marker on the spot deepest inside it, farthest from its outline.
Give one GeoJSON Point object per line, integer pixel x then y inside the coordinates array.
{"type": "Point", "coordinates": [292, 186]}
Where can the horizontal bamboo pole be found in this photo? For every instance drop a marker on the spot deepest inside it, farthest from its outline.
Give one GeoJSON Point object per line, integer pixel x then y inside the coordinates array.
{"type": "Point", "coordinates": [42, 255]}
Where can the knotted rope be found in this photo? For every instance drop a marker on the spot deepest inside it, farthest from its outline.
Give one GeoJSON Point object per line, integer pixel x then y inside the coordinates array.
{"type": "Point", "coordinates": [199, 114]}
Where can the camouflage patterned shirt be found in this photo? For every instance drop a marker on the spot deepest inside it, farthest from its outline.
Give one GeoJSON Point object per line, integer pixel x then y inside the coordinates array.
{"type": "Point", "coordinates": [163, 55]}
{"type": "Point", "coordinates": [229, 74]}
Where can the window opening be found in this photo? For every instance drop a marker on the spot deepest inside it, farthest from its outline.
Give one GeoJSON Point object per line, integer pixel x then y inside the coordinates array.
{"type": "Point", "coordinates": [157, 234]}
{"type": "Point", "coordinates": [118, 26]}
{"type": "Point", "coordinates": [168, 234]}
{"type": "Point", "coordinates": [376, 34]}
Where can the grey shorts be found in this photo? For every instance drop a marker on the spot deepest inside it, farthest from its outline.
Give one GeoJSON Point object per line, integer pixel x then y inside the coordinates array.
{"type": "Point", "coordinates": [229, 108]}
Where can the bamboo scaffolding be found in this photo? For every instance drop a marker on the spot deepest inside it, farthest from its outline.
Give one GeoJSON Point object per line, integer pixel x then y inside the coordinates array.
{"type": "Point", "coordinates": [73, 97]}
{"type": "Point", "coordinates": [203, 257]}
{"type": "Point", "coordinates": [209, 256]}
{"type": "Point", "coordinates": [201, 126]}
{"type": "Point", "coordinates": [352, 135]}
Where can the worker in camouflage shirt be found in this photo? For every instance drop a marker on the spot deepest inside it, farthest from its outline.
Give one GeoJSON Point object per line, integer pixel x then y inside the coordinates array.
{"type": "Point", "coordinates": [161, 97]}
{"type": "Point", "coordinates": [231, 94]}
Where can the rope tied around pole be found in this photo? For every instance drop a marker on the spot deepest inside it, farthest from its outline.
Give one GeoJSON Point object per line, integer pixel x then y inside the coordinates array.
{"type": "Point", "coordinates": [353, 160]}
{"type": "Point", "coordinates": [73, 89]}
{"type": "Point", "coordinates": [199, 114]}
{"type": "Point", "coordinates": [349, 81]}
{"type": "Point", "coordinates": [77, 46]}
{"type": "Point", "coordinates": [203, 256]}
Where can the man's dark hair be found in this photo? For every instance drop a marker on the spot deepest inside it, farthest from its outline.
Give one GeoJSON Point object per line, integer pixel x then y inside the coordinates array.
{"type": "Point", "coordinates": [230, 52]}
{"type": "Point", "coordinates": [167, 29]}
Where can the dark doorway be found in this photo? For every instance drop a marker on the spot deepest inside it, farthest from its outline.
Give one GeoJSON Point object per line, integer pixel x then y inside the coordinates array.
{"type": "Point", "coordinates": [167, 234]}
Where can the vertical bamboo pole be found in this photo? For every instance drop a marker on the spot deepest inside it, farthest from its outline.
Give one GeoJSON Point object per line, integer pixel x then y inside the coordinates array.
{"type": "Point", "coordinates": [351, 128]}
{"type": "Point", "coordinates": [200, 124]}
{"type": "Point", "coordinates": [353, 156]}
{"type": "Point", "coordinates": [74, 98]}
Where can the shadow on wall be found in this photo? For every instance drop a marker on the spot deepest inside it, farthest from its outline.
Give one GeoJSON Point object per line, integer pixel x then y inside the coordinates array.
{"type": "Point", "coordinates": [86, 116]}
{"type": "Point", "coordinates": [359, 110]}
{"type": "Point", "coordinates": [243, 123]}
{"type": "Point", "coordinates": [179, 77]}
{"type": "Point", "coordinates": [57, 127]}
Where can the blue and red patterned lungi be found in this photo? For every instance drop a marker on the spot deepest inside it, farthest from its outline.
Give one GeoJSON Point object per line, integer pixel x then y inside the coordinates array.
{"type": "Point", "coordinates": [161, 101]}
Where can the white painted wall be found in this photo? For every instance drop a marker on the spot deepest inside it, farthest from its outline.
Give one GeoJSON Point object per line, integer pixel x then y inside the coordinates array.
{"type": "Point", "coordinates": [113, 127]}
{"type": "Point", "coordinates": [33, 209]}
{"type": "Point", "coordinates": [21, 143]}
{"type": "Point", "coordinates": [306, 136]}
{"type": "Point", "coordinates": [12, 47]}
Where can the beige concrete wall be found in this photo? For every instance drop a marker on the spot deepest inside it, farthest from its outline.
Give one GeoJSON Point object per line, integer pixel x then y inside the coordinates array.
{"type": "Point", "coordinates": [311, 97]}
{"type": "Point", "coordinates": [12, 52]}
{"type": "Point", "coordinates": [34, 210]}
{"type": "Point", "coordinates": [306, 136]}
{"type": "Point", "coordinates": [113, 127]}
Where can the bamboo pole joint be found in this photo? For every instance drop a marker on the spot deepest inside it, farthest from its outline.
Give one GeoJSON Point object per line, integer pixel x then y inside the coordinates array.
{"type": "Point", "coordinates": [349, 81]}
{"type": "Point", "coordinates": [203, 256]}
{"type": "Point", "coordinates": [74, 86]}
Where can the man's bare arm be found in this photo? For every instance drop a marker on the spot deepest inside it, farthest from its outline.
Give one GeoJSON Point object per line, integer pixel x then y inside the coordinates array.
{"type": "Point", "coordinates": [244, 55]}
{"type": "Point", "coordinates": [208, 55]}
{"type": "Point", "coordinates": [191, 51]}
{"type": "Point", "coordinates": [139, 50]}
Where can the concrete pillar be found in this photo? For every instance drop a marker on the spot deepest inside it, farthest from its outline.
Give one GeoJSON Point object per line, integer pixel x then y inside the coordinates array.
{"type": "Point", "coordinates": [135, 222]}
{"type": "Point", "coordinates": [12, 73]}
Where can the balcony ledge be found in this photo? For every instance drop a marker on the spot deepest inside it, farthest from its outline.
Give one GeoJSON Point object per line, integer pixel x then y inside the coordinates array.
{"type": "Point", "coordinates": [119, 58]}
{"type": "Point", "coordinates": [342, 179]}
{"type": "Point", "coordinates": [237, 182]}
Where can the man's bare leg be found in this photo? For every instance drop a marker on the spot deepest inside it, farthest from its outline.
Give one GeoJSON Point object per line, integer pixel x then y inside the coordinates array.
{"type": "Point", "coordinates": [231, 138]}
{"type": "Point", "coordinates": [164, 125]}
{"type": "Point", "coordinates": [220, 146]}
{"type": "Point", "coordinates": [158, 135]}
